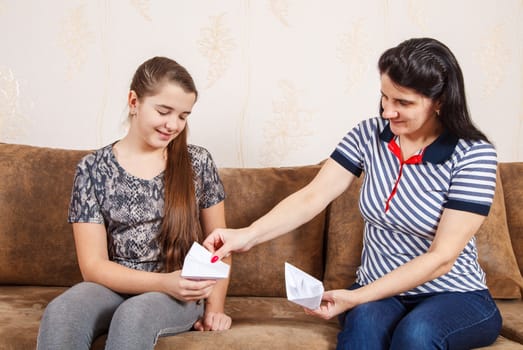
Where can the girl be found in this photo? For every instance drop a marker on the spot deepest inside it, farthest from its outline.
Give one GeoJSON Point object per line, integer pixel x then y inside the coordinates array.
{"type": "Point", "coordinates": [137, 206]}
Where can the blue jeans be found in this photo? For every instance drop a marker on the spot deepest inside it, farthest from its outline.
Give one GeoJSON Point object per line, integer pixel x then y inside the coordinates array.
{"type": "Point", "coordinates": [74, 319]}
{"type": "Point", "coordinates": [449, 320]}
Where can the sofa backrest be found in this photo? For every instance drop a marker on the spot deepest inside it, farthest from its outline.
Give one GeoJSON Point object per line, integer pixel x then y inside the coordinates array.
{"type": "Point", "coordinates": [37, 245]}
{"type": "Point", "coordinates": [250, 194]}
{"type": "Point", "coordinates": [512, 178]}
{"type": "Point", "coordinates": [36, 242]}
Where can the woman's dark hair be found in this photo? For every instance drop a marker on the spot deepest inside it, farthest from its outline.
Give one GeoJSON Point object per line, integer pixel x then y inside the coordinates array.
{"type": "Point", "coordinates": [180, 225]}
{"type": "Point", "coordinates": [430, 68]}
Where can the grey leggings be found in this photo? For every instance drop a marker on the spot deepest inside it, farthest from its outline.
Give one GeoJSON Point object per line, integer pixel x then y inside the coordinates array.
{"type": "Point", "coordinates": [74, 319]}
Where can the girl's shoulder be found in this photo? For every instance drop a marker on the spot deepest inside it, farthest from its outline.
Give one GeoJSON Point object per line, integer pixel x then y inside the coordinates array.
{"type": "Point", "coordinates": [97, 157]}
{"type": "Point", "coordinates": [199, 153]}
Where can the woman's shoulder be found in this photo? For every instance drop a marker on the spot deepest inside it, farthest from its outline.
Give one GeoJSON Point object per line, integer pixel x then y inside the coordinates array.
{"type": "Point", "coordinates": [375, 124]}
{"type": "Point", "coordinates": [474, 152]}
{"type": "Point", "coordinates": [368, 129]}
{"type": "Point", "coordinates": [480, 147]}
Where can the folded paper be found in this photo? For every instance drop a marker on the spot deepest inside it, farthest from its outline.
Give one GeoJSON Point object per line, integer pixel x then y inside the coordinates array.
{"type": "Point", "coordinates": [302, 288]}
{"type": "Point", "coordinates": [197, 265]}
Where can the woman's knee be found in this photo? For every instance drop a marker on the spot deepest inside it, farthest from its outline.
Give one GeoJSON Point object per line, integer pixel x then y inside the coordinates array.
{"type": "Point", "coordinates": [417, 334]}
{"type": "Point", "coordinates": [370, 325]}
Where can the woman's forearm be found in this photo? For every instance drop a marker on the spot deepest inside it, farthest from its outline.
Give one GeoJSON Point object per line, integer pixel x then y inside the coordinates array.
{"type": "Point", "coordinates": [416, 272]}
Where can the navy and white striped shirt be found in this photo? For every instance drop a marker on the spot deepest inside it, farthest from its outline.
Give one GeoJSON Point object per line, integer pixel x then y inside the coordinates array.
{"type": "Point", "coordinates": [402, 202]}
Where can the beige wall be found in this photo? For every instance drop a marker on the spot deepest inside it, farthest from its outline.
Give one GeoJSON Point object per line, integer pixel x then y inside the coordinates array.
{"type": "Point", "coordinates": [280, 81]}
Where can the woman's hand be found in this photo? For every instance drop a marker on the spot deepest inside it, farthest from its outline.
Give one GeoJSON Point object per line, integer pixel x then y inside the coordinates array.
{"type": "Point", "coordinates": [334, 302]}
{"type": "Point", "coordinates": [213, 321]}
{"type": "Point", "coordinates": [187, 290]}
{"type": "Point", "coordinates": [223, 241]}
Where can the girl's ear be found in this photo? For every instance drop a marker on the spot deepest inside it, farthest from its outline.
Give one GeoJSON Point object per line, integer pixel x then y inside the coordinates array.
{"type": "Point", "coordinates": [132, 100]}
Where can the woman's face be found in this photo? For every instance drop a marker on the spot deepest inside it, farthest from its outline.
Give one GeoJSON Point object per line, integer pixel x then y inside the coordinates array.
{"type": "Point", "coordinates": [160, 118]}
{"type": "Point", "coordinates": [410, 113]}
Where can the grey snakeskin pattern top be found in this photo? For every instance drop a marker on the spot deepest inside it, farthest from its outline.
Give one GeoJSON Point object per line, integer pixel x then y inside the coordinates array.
{"type": "Point", "coordinates": [131, 208]}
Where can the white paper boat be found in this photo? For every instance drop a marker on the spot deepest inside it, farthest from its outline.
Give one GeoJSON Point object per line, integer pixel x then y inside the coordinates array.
{"type": "Point", "coordinates": [197, 265]}
{"type": "Point", "coordinates": [302, 288]}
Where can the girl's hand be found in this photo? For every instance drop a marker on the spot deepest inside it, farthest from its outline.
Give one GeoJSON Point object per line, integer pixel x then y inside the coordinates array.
{"type": "Point", "coordinates": [334, 302]}
{"type": "Point", "coordinates": [187, 290]}
{"type": "Point", "coordinates": [213, 321]}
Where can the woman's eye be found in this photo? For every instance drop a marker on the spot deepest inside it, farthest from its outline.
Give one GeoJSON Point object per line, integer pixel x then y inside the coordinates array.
{"type": "Point", "coordinates": [163, 113]}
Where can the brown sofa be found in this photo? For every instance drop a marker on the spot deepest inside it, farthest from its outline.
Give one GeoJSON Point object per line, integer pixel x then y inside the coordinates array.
{"type": "Point", "coordinates": [38, 262]}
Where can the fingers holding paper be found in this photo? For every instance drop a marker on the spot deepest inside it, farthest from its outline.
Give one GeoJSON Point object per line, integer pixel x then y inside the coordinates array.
{"type": "Point", "coordinates": [334, 302]}
{"type": "Point", "coordinates": [185, 289]}
{"type": "Point", "coordinates": [223, 241]}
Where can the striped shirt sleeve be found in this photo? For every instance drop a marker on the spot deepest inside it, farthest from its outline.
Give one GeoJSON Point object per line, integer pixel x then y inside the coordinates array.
{"type": "Point", "coordinates": [350, 151]}
{"type": "Point", "coordinates": [474, 178]}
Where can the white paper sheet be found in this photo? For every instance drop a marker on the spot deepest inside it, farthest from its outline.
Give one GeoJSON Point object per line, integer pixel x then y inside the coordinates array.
{"type": "Point", "coordinates": [197, 265]}
{"type": "Point", "coordinates": [302, 288]}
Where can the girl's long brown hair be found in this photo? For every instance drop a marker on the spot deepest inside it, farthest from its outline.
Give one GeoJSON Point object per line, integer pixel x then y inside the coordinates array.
{"type": "Point", "coordinates": [180, 226]}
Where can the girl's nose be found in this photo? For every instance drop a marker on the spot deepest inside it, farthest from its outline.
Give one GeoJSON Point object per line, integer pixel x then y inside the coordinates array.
{"type": "Point", "coordinates": [173, 123]}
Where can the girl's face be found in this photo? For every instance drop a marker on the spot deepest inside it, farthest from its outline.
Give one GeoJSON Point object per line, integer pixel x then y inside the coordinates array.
{"type": "Point", "coordinates": [157, 120]}
{"type": "Point", "coordinates": [410, 113]}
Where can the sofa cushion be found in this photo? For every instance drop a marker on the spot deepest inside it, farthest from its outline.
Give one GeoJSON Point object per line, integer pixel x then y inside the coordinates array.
{"type": "Point", "coordinates": [251, 193]}
{"type": "Point", "coordinates": [258, 323]}
{"type": "Point", "coordinates": [36, 242]}
{"type": "Point", "coordinates": [511, 311]}
{"type": "Point", "coordinates": [503, 343]}
{"type": "Point", "coordinates": [344, 244]}
{"type": "Point", "coordinates": [21, 309]}
{"type": "Point", "coordinates": [261, 323]}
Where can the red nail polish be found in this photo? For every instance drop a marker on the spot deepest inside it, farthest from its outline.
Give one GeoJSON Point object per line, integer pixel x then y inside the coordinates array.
{"type": "Point", "coordinates": [214, 259]}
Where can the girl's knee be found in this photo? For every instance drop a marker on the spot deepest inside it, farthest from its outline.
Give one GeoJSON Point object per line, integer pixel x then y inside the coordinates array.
{"type": "Point", "coordinates": [132, 325]}
{"type": "Point", "coordinates": [135, 312]}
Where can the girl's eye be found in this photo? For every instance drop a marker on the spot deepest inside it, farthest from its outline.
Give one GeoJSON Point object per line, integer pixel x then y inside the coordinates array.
{"type": "Point", "coordinates": [163, 113]}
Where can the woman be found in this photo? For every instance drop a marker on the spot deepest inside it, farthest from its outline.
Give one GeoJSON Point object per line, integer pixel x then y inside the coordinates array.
{"type": "Point", "coordinates": [137, 206]}
{"type": "Point", "coordinates": [429, 182]}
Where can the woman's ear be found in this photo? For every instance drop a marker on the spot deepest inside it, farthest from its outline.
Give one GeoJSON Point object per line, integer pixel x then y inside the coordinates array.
{"type": "Point", "coordinates": [437, 107]}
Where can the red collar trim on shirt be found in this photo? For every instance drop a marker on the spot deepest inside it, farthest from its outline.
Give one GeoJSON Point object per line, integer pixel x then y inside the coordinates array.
{"type": "Point", "coordinates": [396, 150]}
{"type": "Point", "coordinates": [437, 152]}
{"type": "Point", "coordinates": [415, 159]}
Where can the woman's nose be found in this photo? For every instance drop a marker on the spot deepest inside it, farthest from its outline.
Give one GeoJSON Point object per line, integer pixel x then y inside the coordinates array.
{"type": "Point", "coordinates": [389, 114]}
